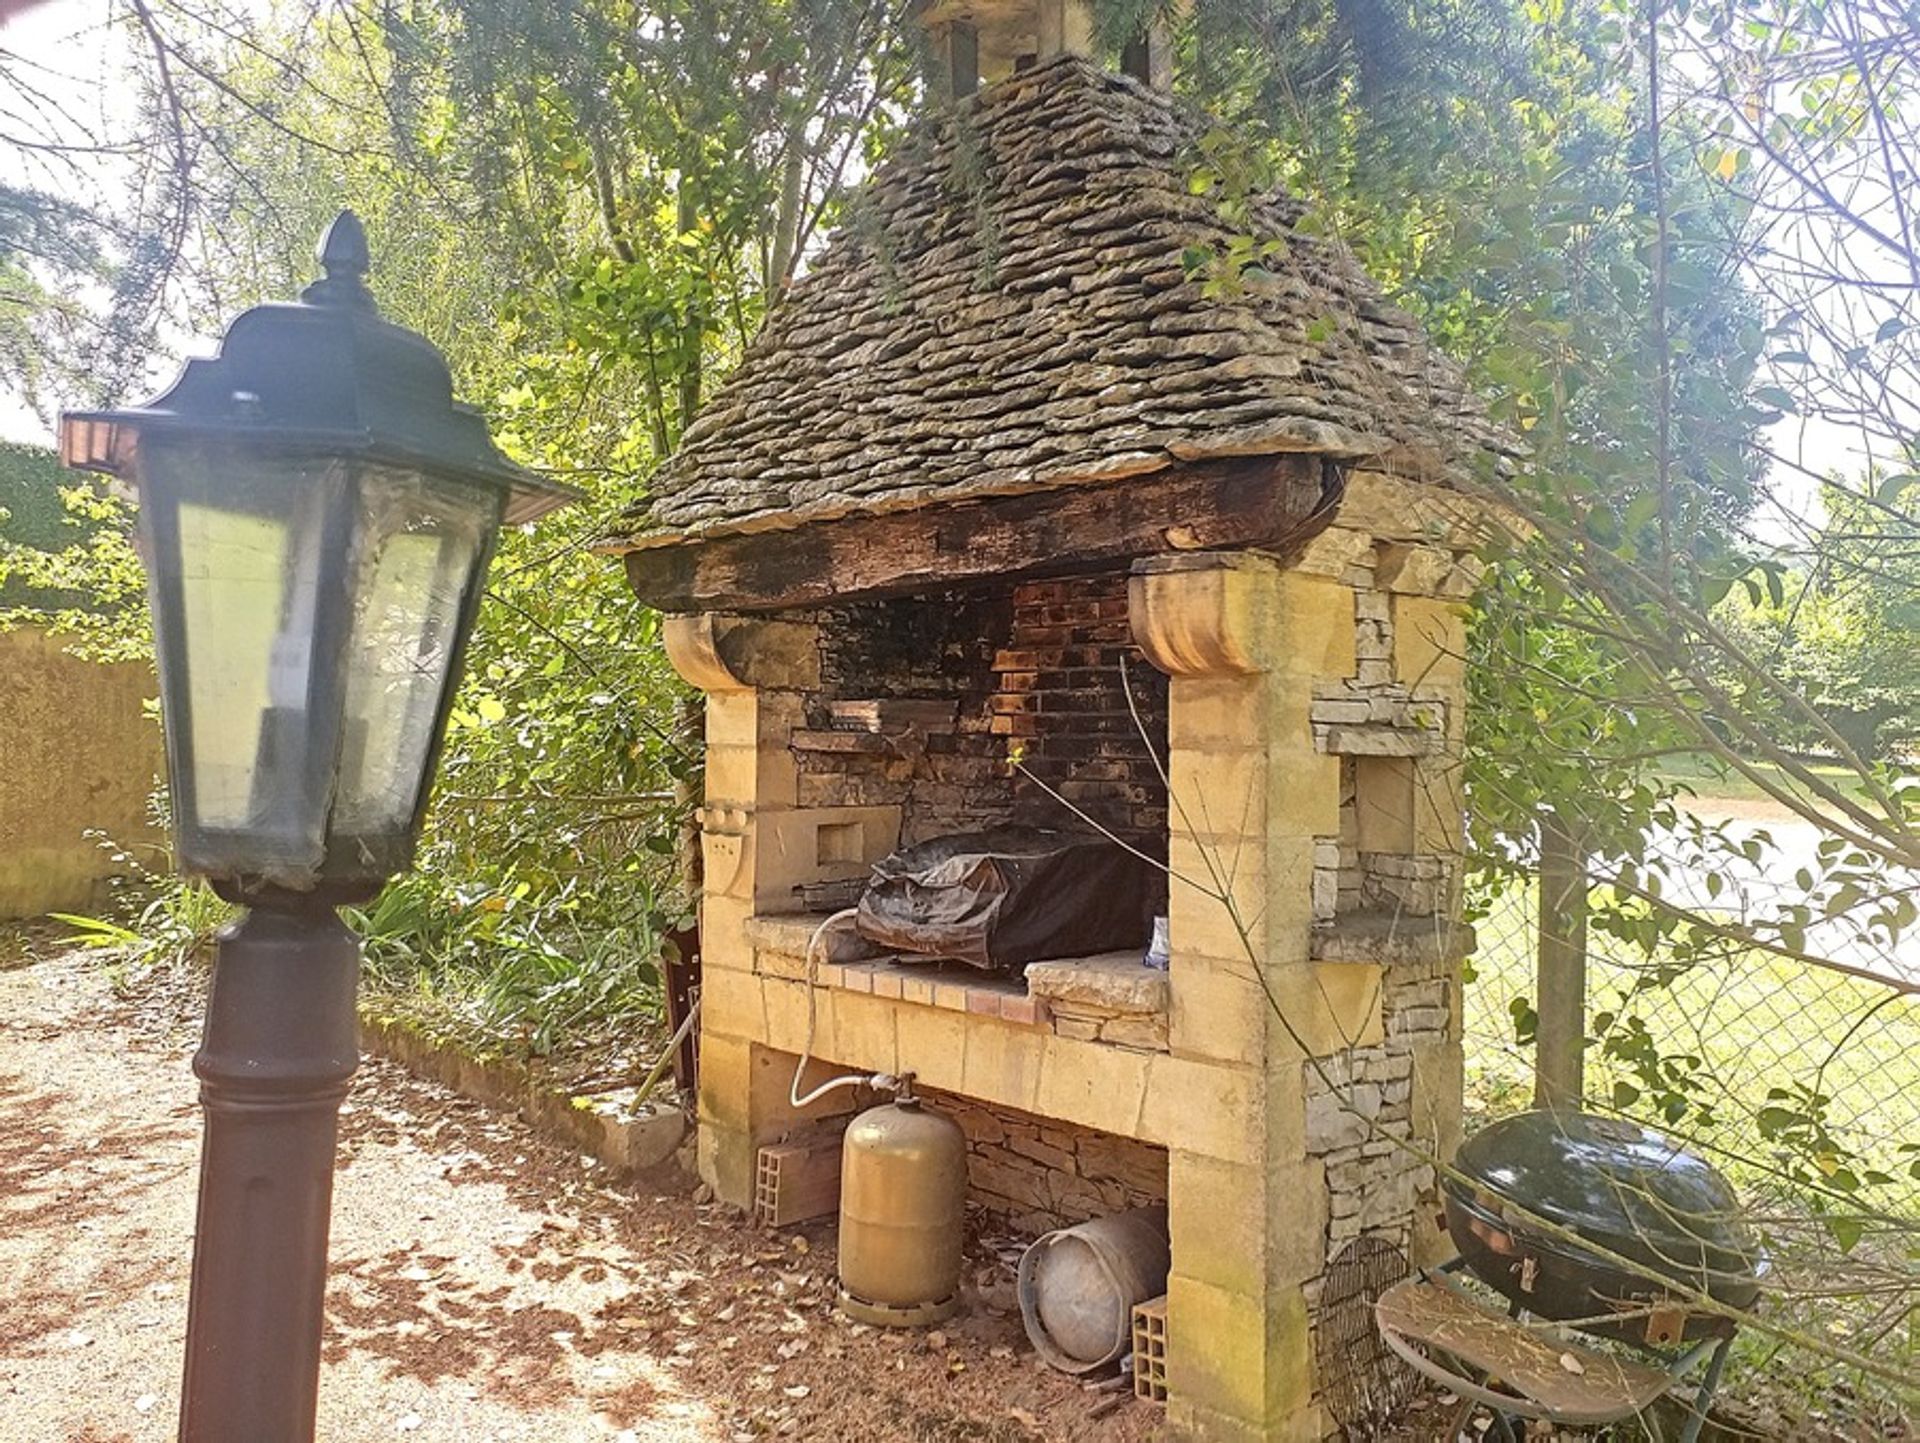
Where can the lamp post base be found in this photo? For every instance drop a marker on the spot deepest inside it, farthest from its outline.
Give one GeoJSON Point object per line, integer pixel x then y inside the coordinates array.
{"type": "Point", "coordinates": [280, 1048]}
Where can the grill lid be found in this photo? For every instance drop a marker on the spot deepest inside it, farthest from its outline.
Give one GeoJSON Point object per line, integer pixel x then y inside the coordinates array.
{"type": "Point", "coordinates": [1624, 1187]}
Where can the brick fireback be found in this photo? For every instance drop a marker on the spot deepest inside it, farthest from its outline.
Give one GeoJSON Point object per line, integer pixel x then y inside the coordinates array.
{"type": "Point", "coordinates": [1041, 671]}
{"type": "Point", "coordinates": [1062, 700]}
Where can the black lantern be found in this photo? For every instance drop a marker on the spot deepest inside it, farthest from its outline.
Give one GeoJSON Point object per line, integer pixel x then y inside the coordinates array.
{"type": "Point", "coordinates": [316, 516]}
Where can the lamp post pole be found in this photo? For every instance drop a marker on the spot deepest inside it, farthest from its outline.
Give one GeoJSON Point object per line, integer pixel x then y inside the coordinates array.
{"type": "Point", "coordinates": [316, 517]}
{"type": "Point", "coordinates": [280, 1048]}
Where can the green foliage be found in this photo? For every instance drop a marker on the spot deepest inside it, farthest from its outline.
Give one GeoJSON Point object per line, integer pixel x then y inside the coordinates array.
{"type": "Point", "coordinates": [31, 511]}
{"type": "Point", "coordinates": [177, 924]}
{"type": "Point", "coordinates": [1843, 633]}
{"type": "Point", "coordinates": [1511, 208]}
{"type": "Point", "coordinates": [46, 245]}
{"type": "Point", "coordinates": [512, 968]}
{"type": "Point", "coordinates": [66, 556]}
{"type": "Point", "coordinates": [584, 253]}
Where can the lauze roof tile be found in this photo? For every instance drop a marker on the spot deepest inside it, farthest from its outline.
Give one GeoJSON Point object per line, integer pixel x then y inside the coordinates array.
{"type": "Point", "coordinates": [1008, 308]}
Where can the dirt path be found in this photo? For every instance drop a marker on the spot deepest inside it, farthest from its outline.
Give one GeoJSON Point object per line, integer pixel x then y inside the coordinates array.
{"type": "Point", "coordinates": [486, 1285]}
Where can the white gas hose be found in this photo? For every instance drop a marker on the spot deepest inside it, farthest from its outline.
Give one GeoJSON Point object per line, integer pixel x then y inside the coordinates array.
{"type": "Point", "coordinates": [851, 1079]}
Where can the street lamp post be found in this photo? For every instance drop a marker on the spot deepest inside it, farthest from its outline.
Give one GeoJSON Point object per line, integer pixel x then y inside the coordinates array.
{"type": "Point", "coordinates": [316, 519]}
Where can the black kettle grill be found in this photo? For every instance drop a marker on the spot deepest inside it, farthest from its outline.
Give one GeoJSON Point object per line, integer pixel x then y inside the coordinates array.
{"type": "Point", "coordinates": [1621, 1187]}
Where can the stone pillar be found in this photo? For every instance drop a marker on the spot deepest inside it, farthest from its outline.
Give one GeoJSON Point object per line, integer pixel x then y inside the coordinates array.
{"type": "Point", "coordinates": [1245, 641]}
{"type": "Point", "coordinates": [755, 674]}
{"type": "Point", "coordinates": [1063, 27]}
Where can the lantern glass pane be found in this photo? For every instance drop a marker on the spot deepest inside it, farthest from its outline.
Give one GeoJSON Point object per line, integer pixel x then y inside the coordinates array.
{"type": "Point", "coordinates": [420, 546]}
{"type": "Point", "coordinates": [242, 545]}
{"type": "Point", "coordinates": [233, 565]}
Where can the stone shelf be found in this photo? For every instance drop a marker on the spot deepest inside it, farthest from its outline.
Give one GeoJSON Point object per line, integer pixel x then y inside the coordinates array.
{"type": "Point", "coordinates": [1391, 939]}
{"type": "Point", "coordinates": [861, 743]}
{"type": "Point", "coordinates": [1108, 998]}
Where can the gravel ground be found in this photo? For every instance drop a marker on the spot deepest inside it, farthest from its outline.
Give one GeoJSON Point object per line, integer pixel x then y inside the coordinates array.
{"type": "Point", "coordinates": [486, 1285]}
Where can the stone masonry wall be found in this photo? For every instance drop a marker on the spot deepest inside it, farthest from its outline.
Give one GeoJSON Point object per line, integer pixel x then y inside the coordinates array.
{"type": "Point", "coordinates": [1360, 1106]}
{"type": "Point", "coordinates": [1397, 744]}
{"type": "Point", "coordinates": [1040, 1173]}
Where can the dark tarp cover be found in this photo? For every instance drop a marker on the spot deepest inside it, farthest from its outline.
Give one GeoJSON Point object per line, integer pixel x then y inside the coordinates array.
{"type": "Point", "coordinates": [1008, 896]}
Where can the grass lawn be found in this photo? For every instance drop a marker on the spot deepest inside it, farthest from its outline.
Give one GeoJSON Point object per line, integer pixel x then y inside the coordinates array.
{"type": "Point", "coordinates": [1711, 779]}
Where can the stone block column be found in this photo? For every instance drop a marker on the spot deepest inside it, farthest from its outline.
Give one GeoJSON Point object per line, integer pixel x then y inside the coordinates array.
{"type": "Point", "coordinates": [1245, 641]}
{"type": "Point", "coordinates": [756, 843]}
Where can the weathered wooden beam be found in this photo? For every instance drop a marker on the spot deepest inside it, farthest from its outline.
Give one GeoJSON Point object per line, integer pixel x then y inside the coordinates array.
{"type": "Point", "coordinates": [1257, 503]}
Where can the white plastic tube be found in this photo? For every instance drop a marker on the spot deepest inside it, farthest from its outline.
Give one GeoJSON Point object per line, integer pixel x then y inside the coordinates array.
{"type": "Point", "coordinates": [851, 1079]}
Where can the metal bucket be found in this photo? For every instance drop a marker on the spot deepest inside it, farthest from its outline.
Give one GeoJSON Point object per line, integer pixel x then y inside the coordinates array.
{"type": "Point", "coordinates": [1078, 1286]}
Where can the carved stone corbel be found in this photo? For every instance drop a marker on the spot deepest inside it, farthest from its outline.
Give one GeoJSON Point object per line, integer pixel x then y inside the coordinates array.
{"type": "Point", "coordinates": [1201, 615]}
{"type": "Point", "coordinates": [715, 651]}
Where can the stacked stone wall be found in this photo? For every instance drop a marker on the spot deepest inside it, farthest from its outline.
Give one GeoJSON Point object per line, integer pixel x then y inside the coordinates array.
{"type": "Point", "coordinates": [1360, 1115]}
{"type": "Point", "coordinates": [1037, 1173]}
{"type": "Point", "coordinates": [1396, 735]}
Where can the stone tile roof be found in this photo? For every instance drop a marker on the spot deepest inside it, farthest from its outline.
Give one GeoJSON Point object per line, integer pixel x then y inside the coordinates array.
{"type": "Point", "coordinates": [1007, 308]}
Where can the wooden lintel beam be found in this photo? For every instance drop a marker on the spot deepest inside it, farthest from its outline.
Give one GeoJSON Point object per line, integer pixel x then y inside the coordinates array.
{"type": "Point", "coordinates": [1257, 503]}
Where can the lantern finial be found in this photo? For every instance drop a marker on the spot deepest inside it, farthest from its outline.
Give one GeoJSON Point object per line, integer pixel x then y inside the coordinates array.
{"type": "Point", "coordinates": [343, 255]}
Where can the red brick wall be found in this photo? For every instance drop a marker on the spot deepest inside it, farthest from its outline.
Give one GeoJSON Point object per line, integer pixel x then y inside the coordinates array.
{"type": "Point", "coordinates": [1061, 700]}
{"type": "Point", "coordinates": [1040, 669]}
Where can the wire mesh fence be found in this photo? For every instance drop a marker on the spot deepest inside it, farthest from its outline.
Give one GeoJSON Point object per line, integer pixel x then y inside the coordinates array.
{"type": "Point", "coordinates": [1795, 1069]}
{"type": "Point", "coordinates": [1757, 1058]}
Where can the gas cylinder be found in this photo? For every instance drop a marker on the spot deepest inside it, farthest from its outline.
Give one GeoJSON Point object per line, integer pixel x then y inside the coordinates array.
{"type": "Point", "coordinates": [903, 1194]}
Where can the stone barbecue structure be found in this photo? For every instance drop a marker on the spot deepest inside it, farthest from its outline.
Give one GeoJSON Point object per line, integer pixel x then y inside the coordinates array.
{"type": "Point", "coordinates": [1023, 509]}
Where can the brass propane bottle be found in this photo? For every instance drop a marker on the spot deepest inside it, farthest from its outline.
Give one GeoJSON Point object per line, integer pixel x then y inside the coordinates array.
{"type": "Point", "coordinates": [903, 1192]}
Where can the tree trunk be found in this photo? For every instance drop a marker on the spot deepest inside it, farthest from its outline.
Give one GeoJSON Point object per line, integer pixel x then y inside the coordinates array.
{"type": "Point", "coordinates": [786, 223]}
{"type": "Point", "coordinates": [693, 328]}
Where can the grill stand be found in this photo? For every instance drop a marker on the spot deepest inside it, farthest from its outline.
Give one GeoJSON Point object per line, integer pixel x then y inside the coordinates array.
{"type": "Point", "coordinates": [1453, 1338]}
